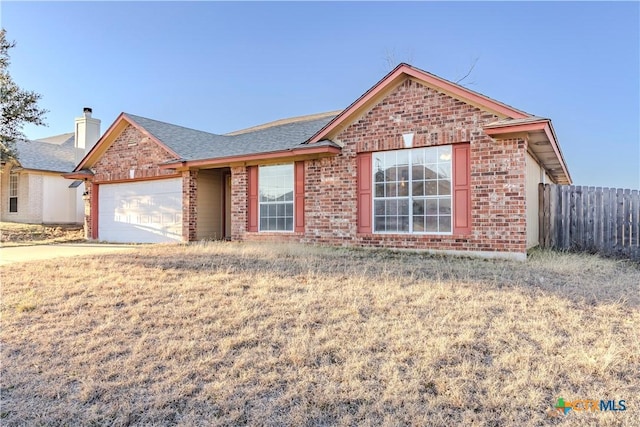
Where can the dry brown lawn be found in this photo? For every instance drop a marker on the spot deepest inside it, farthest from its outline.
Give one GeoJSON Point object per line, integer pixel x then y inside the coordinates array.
{"type": "Point", "coordinates": [16, 234]}
{"type": "Point", "coordinates": [235, 334]}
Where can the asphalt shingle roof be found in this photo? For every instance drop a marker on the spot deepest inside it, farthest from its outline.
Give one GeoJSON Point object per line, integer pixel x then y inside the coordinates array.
{"type": "Point", "coordinates": [47, 156]}
{"type": "Point", "coordinates": [192, 144]}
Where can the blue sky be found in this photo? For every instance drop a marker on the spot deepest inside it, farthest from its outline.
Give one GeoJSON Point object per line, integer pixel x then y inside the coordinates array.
{"type": "Point", "coordinates": [220, 67]}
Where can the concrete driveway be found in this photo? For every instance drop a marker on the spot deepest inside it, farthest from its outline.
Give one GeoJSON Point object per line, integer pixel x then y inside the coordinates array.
{"type": "Point", "coordinates": [13, 254]}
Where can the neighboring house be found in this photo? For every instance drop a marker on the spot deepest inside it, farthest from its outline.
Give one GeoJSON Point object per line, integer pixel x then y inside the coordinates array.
{"type": "Point", "coordinates": [32, 188]}
{"type": "Point", "coordinates": [416, 162]}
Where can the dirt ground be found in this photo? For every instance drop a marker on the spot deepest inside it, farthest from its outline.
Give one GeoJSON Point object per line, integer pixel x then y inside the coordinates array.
{"type": "Point", "coordinates": [16, 234]}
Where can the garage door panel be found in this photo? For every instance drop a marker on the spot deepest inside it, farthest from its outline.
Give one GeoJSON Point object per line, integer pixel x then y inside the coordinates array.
{"type": "Point", "coordinates": [141, 212]}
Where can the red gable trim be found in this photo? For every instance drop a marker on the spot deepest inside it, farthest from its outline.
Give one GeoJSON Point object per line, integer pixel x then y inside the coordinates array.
{"type": "Point", "coordinates": [526, 127]}
{"type": "Point", "coordinates": [405, 70]}
{"type": "Point", "coordinates": [111, 134]}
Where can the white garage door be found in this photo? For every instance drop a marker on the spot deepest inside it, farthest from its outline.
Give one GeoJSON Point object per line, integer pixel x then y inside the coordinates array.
{"type": "Point", "coordinates": [141, 212]}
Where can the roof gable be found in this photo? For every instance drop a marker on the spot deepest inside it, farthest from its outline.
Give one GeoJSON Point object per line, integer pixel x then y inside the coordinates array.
{"type": "Point", "coordinates": [114, 131]}
{"type": "Point", "coordinates": [395, 78]}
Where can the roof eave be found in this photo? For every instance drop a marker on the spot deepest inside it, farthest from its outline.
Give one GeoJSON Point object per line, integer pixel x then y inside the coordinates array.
{"type": "Point", "coordinates": [84, 174]}
{"type": "Point", "coordinates": [256, 158]}
{"type": "Point", "coordinates": [543, 126]}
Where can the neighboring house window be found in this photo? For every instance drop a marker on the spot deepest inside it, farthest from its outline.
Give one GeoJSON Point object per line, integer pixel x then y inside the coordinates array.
{"type": "Point", "coordinates": [412, 190]}
{"type": "Point", "coordinates": [13, 192]}
{"type": "Point", "coordinates": [275, 189]}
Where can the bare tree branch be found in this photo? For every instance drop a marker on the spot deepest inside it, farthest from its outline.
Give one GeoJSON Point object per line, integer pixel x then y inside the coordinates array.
{"type": "Point", "coordinates": [475, 61]}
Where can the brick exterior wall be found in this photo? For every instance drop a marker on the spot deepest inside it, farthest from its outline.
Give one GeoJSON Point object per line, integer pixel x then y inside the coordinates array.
{"type": "Point", "coordinates": [131, 150]}
{"type": "Point", "coordinates": [497, 176]}
{"type": "Point", "coordinates": [239, 200]}
{"type": "Point", "coordinates": [189, 205]}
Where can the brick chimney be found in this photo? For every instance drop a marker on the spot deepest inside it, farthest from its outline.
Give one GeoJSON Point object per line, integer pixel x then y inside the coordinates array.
{"type": "Point", "coordinates": [87, 133]}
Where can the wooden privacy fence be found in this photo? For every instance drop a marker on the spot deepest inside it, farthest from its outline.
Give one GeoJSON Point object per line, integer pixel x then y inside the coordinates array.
{"type": "Point", "coordinates": [592, 219]}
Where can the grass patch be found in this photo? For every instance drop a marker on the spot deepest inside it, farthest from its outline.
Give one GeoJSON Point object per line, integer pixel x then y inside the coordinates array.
{"type": "Point", "coordinates": [230, 333]}
{"type": "Point", "coordinates": [16, 234]}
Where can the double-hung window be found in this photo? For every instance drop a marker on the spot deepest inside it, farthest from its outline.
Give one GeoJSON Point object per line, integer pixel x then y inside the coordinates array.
{"type": "Point", "coordinates": [412, 191]}
{"type": "Point", "coordinates": [275, 189]}
{"type": "Point", "coordinates": [13, 192]}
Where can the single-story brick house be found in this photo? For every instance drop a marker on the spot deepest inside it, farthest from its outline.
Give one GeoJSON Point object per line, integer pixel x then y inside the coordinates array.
{"type": "Point", "coordinates": [416, 162]}
{"type": "Point", "coordinates": [32, 188]}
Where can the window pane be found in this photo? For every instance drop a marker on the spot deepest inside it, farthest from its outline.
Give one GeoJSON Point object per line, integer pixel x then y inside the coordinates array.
{"type": "Point", "coordinates": [289, 209]}
{"type": "Point", "coordinates": [432, 224]}
{"type": "Point", "coordinates": [431, 188]}
{"type": "Point", "coordinates": [429, 172]}
{"type": "Point", "coordinates": [417, 156]}
{"type": "Point", "coordinates": [403, 207]}
{"type": "Point", "coordinates": [445, 224]}
{"type": "Point", "coordinates": [403, 188]}
{"type": "Point", "coordinates": [379, 207]}
{"type": "Point", "coordinates": [445, 206]}
{"type": "Point", "coordinates": [391, 190]}
{"type": "Point", "coordinates": [444, 170]}
{"type": "Point", "coordinates": [403, 173]}
{"type": "Point", "coordinates": [402, 157]}
{"type": "Point", "coordinates": [444, 187]}
{"type": "Point", "coordinates": [392, 173]}
{"type": "Point", "coordinates": [379, 190]}
{"type": "Point", "coordinates": [431, 155]}
{"type": "Point", "coordinates": [432, 207]}
{"type": "Point", "coordinates": [418, 172]}
{"type": "Point", "coordinates": [288, 224]}
{"type": "Point", "coordinates": [418, 224]}
{"type": "Point", "coordinates": [418, 188]}
{"type": "Point", "coordinates": [418, 207]}
{"type": "Point", "coordinates": [444, 153]}
{"type": "Point", "coordinates": [391, 208]}
{"type": "Point", "coordinates": [403, 223]}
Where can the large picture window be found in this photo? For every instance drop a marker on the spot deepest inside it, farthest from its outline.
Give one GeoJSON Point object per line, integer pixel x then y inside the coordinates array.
{"type": "Point", "coordinates": [275, 188]}
{"type": "Point", "coordinates": [412, 190]}
{"type": "Point", "coordinates": [13, 192]}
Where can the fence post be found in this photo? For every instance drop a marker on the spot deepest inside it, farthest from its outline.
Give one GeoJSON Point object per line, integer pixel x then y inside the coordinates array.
{"type": "Point", "coordinates": [619, 221]}
{"type": "Point", "coordinates": [541, 205]}
{"type": "Point", "coordinates": [598, 219]}
{"type": "Point", "coordinates": [566, 223]}
{"type": "Point", "coordinates": [554, 217]}
{"type": "Point", "coordinates": [635, 223]}
{"type": "Point", "coordinates": [575, 215]}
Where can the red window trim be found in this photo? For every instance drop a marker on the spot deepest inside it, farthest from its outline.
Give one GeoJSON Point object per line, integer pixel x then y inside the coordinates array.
{"type": "Point", "coordinates": [461, 164]}
{"type": "Point", "coordinates": [298, 197]}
